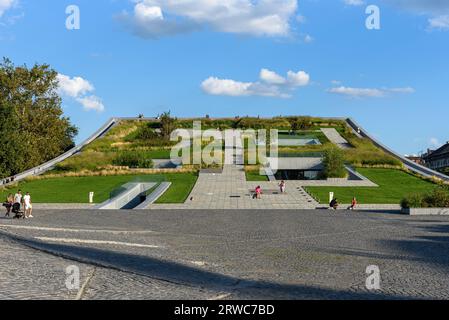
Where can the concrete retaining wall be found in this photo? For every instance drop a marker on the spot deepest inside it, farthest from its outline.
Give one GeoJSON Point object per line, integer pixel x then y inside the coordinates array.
{"type": "Point", "coordinates": [426, 211]}
{"type": "Point", "coordinates": [128, 199]}
{"type": "Point", "coordinates": [152, 198]}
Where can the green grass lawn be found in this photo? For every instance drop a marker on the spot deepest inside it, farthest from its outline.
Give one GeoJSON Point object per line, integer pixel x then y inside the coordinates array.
{"type": "Point", "coordinates": [76, 189]}
{"type": "Point", "coordinates": [255, 176]}
{"type": "Point", "coordinates": [393, 186]}
{"type": "Point", "coordinates": [159, 154]}
{"type": "Point", "coordinates": [182, 185]}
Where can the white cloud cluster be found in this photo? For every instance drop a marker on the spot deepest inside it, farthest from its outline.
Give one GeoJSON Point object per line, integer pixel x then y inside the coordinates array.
{"type": "Point", "coordinates": [270, 84]}
{"type": "Point", "coordinates": [79, 89]}
{"type": "Point", "coordinates": [369, 92]}
{"type": "Point", "coordinates": [438, 10]}
{"type": "Point", "coordinates": [155, 18]}
{"type": "Point", "coordinates": [440, 22]}
{"type": "Point", "coordinates": [5, 5]}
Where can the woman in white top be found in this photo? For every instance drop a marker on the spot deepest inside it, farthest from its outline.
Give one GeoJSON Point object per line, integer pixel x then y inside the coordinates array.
{"type": "Point", "coordinates": [28, 205]}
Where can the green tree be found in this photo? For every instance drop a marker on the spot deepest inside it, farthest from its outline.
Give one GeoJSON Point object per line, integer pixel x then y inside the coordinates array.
{"type": "Point", "coordinates": [334, 163]}
{"type": "Point", "coordinates": [294, 125]}
{"type": "Point", "coordinates": [33, 129]}
{"type": "Point", "coordinates": [168, 124]}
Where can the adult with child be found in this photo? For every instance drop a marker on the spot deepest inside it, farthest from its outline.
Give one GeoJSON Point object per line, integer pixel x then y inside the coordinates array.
{"type": "Point", "coordinates": [8, 204]}
{"type": "Point", "coordinates": [18, 198]}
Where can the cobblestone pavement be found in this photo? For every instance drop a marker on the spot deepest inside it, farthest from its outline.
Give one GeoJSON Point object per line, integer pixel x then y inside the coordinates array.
{"type": "Point", "coordinates": [226, 254]}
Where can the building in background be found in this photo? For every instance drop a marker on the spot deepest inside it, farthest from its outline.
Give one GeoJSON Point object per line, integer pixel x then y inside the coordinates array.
{"type": "Point", "coordinates": [438, 159]}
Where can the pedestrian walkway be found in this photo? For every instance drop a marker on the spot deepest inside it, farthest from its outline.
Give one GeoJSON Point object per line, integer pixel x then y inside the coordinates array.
{"type": "Point", "coordinates": [336, 138]}
{"type": "Point", "coordinates": [230, 190]}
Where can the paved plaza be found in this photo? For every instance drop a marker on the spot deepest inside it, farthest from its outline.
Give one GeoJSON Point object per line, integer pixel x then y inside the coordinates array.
{"type": "Point", "coordinates": [230, 189]}
{"type": "Point", "coordinates": [224, 254]}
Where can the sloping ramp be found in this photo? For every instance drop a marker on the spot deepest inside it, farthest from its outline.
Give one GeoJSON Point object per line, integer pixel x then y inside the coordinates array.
{"type": "Point", "coordinates": [49, 165]}
{"type": "Point", "coordinates": [152, 198]}
{"type": "Point", "coordinates": [336, 138]}
{"type": "Point", "coordinates": [129, 198]}
{"type": "Point", "coordinates": [413, 166]}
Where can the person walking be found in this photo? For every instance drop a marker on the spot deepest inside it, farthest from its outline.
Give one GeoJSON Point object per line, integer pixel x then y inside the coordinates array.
{"type": "Point", "coordinates": [282, 186]}
{"type": "Point", "coordinates": [28, 205]}
{"type": "Point", "coordinates": [18, 198]}
{"type": "Point", "coordinates": [258, 192]}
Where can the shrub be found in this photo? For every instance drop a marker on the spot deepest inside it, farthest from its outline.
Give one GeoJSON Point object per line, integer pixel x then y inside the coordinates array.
{"type": "Point", "coordinates": [145, 132]}
{"type": "Point", "coordinates": [438, 198]}
{"type": "Point", "coordinates": [412, 201]}
{"type": "Point", "coordinates": [333, 161]}
{"type": "Point", "coordinates": [133, 159]}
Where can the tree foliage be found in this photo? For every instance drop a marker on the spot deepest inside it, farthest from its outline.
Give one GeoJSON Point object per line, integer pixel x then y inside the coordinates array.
{"type": "Point", "coordinates": [33, 129]}
{"type": "Point", "coordinates": [334, 163]}
{"type": "Point", "coordinates": [168, 124]}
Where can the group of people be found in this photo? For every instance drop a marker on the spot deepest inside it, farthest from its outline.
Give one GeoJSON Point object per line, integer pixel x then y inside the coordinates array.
{"type": "Point", "coordinates": [282, 186]}
{"type": "Point", "coordinates": [334, 204]}
{"type": "Point", "coordinates": [19, 201]}
{"type": "Point", "coordinates": [258, 190]}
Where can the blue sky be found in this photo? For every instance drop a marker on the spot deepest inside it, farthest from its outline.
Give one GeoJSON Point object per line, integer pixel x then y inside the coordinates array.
{"type": "Point", "coordinates": [206, 57]}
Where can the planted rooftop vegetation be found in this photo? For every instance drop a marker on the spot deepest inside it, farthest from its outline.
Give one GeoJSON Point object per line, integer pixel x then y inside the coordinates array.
{"type": "Point", "coordinates": [132, 150]}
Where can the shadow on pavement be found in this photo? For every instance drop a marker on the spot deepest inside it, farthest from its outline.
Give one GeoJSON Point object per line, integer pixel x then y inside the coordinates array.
{"type": "Point", "coordinates": [191, 276]}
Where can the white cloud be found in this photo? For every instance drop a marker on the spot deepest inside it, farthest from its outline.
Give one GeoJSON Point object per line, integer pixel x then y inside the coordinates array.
{"type": "Point", "coordinates": [438, 10]}
{"type": "Point", "coordinates": [226, 87]}
{"type": "Point", "coordinates": [271, 77]}
{"type": "Point", "coordinates": [354, 2]}
{"type": "Point", "coordinates": [74, 87]}
{"type": "Point", "coordinates": [154, 18]}
{"type": "Point", "coordinates": [147, 13]}
{"type": "Point", "coordinates": [5, 5]}
{"type": "Point", "coordinates": [441, 22]}
{"type": "Point", "coordinates": [368, 92]}
{"type": "Point", "coordinates": [91, 103]}
{"type": "Point", "coordinates": [271, 84]}
{"type": "Point", "coordinates": [298, 79]}
{"type": "Point", "coordinates": [77, 88]}
{"type": "Point", "coordinates": [357, 92]}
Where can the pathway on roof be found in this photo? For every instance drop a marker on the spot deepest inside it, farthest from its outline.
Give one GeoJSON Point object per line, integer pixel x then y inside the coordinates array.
{"type": "Point", "coordinates": [230, 190]}
{"type": "Point", "coordinates": [336, 138]}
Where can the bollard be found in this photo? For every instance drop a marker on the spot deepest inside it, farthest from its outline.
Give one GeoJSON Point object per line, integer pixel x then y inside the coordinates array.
{"type": "Point", "coordinates": [331, 196]}
{"type": "Point", "coordinates": [91, 197]}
